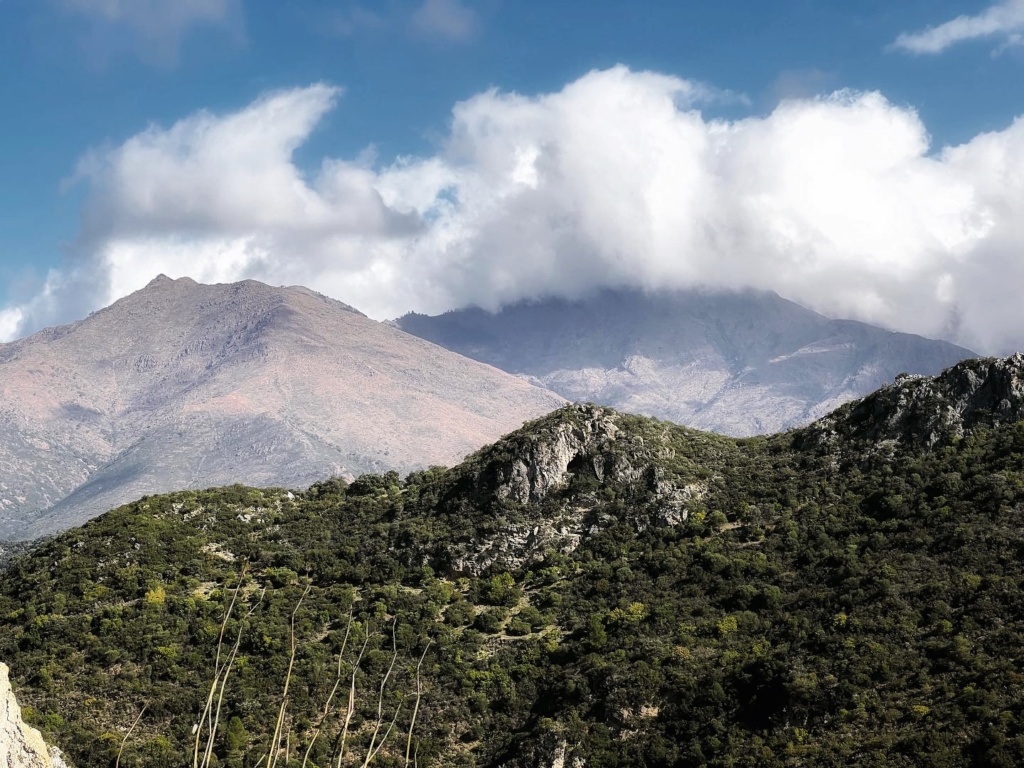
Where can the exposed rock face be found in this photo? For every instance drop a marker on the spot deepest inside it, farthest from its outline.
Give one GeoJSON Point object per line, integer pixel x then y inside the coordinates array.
{"type": "Point", "coordinates": [930, 411]}
{"type": "Point", "coordinates": [578, 443]}
{"type": "Point", "coordinates": [182, 385]}
{"type": "Point", "coordinates": [544, 465]}
{"type": "Point", "coordinates": [738, 364]}
{"type": "Point", "coordinates": [21, 746]}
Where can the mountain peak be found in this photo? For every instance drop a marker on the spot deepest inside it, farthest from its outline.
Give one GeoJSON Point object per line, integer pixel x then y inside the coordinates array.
{"type": "Point", "coordinates": [930, 411]}
{"type": "Point", "coordinates": [163, 281]}
{"type": "Point", "coordinates": [183, 384]}
{"type": "Point", "coordinates": [159, 280]}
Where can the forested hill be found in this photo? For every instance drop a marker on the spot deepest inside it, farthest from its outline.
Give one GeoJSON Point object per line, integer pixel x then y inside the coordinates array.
{"type": "Point", "coordinates": [596, 589]}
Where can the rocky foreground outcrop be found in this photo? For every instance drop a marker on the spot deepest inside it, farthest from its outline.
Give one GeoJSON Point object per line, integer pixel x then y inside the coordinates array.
{"type": "Point", "coordinates": [540, 465]}
{"type": "Point", "coordinates": [21, 746]}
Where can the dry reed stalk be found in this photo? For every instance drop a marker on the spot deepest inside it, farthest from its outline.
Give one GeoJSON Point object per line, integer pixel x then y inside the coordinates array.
{"type": "Point", "coordinates": [380, 697]}
{"type": "Point", "coordinates": [372, 753]}
{"type": "Point", "coordinates": [275, 742]}
{"type": "Point", "coordinates": [416, 707]}
{"type": "Point", "coordinates": [208, 753]}
{"type": "Point", "coordinates": [216, 671]}
{"type": "Point", "coordinates": [352, 697]}
{"type": "Point", "coordinates": [124, 741]}
{"type": "Point", "coordinates": [330, 698]}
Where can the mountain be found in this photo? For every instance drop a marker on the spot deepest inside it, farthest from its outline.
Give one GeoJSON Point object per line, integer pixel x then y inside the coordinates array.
{"type": "Point", "coordinates": [182, 385]}
{"type": "Point", "coordinates": [593, 590]}
{"type": "Point", "coordinates": [735, 363]}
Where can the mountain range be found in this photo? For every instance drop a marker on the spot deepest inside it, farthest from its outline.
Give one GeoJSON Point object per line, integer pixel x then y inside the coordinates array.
{"type": "Point", "coordinates": [735, 363]}
{"type": "Point", "coordinates": [183, 385]}
{"type": "Point", "coordinates": [596, 590]}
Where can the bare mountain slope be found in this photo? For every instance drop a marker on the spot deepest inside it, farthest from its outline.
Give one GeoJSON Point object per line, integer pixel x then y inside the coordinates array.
{"type": "Point", "coordinates": [183, 385]}
{"type": "Point", "coordinates": [737, 363]}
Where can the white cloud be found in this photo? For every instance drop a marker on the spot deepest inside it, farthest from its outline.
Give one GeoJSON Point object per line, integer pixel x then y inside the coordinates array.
{"type": "Point", "coordinates": [618, 179]}
{"type": "Point", "coordinates": [10, 322]}
{"type": "Point", "coordinates": [1003, 19]}
{"type": "Point", "coordinates": [450, 20]}
{"type": "Point", "coordinates": [156, 26]}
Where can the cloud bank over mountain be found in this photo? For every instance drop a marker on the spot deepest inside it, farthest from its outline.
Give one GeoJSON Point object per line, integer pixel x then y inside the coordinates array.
{"type": "Point", "coordinates": [619, 179]}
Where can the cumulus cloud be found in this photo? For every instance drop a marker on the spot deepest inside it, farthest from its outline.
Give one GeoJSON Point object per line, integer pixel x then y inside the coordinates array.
{"type": "Point", "coordinates": [10, 321]}
{"type": "Point", "coordinates": [155, 27]}
{"type": "Point", "coordinates": [617, 179]}
{"type": "Point", "coordinates": [1001, 20]}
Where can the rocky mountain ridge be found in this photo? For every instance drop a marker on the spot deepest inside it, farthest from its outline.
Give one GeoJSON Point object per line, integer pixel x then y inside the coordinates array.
{"type": "Point", "coordinates": [735, 363]}
{"type": "Point", "coordinates": [587, 442]}
{"type": "Point", "coordinates": [930, 411]}
{"type": "Point", "coordinates": [525, 479]}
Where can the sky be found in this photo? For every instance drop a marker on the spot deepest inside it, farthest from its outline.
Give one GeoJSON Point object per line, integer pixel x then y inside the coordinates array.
{"type": "Point", "coordinates": [863, 159]}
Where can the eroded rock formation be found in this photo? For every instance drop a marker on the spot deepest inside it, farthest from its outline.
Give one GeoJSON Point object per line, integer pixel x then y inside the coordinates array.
{"type": "Point", "coordinates": [21, 746]}
{"type": "Point", "coordinates": [929, 412]}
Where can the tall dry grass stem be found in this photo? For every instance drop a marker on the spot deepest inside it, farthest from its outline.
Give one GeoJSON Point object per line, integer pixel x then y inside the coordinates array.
{"type": "Point", "coordinates": [352, 697]}
{"type": "Point", "coordinates": [208, 753]}
{"type": "Point", "coordinates": [117, 763]}
{"type": "Point", "coordinates": [416, 707]}
{"type": "Point", "coordinates": [205, 717]}
{"type": "Point", "coordinates": [370, 753]}
{"type": "Point", "coordinates": [330, 699]}
{"type": "Point", "coordinates": [275, 742]}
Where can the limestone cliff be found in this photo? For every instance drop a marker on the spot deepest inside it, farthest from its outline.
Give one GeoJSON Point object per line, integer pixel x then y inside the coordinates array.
{"type": "Point", "coordinates": [540, 465]}
{"type": "Point", "coordinates": [21, 746]}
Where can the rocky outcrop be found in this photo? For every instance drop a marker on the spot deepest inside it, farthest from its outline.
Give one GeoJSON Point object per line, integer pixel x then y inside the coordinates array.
{"type": "Point", "coordinates": [541, 465]}
{"type": "Point", "coordinates": [928, 412]}
{"type": "Point", "coordinates": [21, 746]}
{"type": "Point", "coordinates": [579, 448]}
{"type": "Point", "coordinates": [552, 750]}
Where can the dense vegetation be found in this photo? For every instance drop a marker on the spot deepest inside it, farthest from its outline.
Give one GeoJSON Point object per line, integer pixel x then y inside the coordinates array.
{"type": "Point", "coordinates": [814, 608]}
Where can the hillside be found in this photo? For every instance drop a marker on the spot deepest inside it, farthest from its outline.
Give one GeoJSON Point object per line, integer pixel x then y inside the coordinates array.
{"type": "Point", "coordinates": [183, 385]}
{"type": "Point", "coordinates": [595, 589]}
{"type": "Point", "coordinates": [737, 363]}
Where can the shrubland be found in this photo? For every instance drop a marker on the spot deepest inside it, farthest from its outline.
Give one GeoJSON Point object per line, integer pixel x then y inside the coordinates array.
{"type": "Point", "coordinates": [597, 588]}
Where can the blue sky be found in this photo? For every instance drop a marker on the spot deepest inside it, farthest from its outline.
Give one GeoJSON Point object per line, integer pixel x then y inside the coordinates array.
{"type": "Point", "coordinates": [93, 89]}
